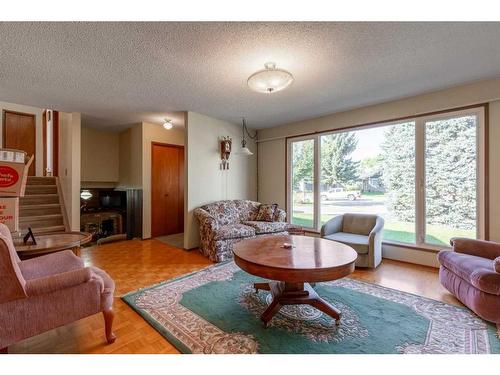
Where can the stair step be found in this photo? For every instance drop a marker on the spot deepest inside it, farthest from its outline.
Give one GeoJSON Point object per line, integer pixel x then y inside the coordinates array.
{"type": "Point", "coordinates": [39, 209]}
{"type": "Point", "coordinates": [39, 218]}
{"type": "Point", "coordinates": [36, 199]}
{"type": "Point", "coordinates": [40, 189]}
{"type": "Point", "coordinates": [41, 223]}
{"type": "Point", "coordinates": [44, 230]}
{"type": "Point", "coordinates": [35, 180]}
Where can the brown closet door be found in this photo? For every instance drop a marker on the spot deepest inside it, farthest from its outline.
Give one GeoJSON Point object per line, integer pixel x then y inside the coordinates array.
{"type": "Point", "coordinates": [167, 189]}
{"type": "Point", "coordinates": [19, 132]}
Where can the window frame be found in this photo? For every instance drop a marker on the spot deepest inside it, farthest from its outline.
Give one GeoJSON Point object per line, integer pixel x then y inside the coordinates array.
{"type": "Point", "coordinates": [481, 198]}
{"type": "Point", "coordinates": [289, 190]}
{"type": "Point", "coordinates": [480, 111]}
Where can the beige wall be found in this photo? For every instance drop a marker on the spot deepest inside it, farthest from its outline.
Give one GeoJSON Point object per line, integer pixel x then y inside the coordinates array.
{"type": "Point", "coordinates": [100, 156]}
{"type": "Point", "coordinates": [70, 164]}
{"type": "Point", "coordinates": [206, 182]}
{"type": "Point", "coordinates": [271, 176]}
{"type": "Point", "coordinates": [153, 133]}
{"type": "Point", "coordinates": [39, 130]}
{"type": "Point", "coordinates": [272, 141]}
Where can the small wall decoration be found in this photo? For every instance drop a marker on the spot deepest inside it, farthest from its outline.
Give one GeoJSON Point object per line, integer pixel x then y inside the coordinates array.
{"type": "Point", "coordinates": [225, 151]}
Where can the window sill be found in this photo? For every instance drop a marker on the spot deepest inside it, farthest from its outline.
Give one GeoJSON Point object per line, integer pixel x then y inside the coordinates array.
{"type": "Point", "coordinates": [431, 249]}
{"type": "Point", "coordinates": [313, 231]}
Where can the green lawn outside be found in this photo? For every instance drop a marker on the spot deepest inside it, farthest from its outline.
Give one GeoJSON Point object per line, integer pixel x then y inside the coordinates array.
{"type": "Point", "coordinates": [374, 196]}
{"type": "Point", "coordinates": [399, 231]}
{"type": "Point", "coordinates": [371, 194]}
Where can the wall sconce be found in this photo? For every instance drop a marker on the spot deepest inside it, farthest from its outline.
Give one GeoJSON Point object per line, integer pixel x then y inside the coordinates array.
{"type": "Point", "coordinates": [244, 149]}
{"type": "Point", "coordinates": [225, 151]}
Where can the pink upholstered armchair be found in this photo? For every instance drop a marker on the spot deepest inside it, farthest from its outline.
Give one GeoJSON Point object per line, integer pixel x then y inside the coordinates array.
{"type": "Point", "coordinates": [43, 293]}
{"type": "Point", "coordinates": [472, 273]}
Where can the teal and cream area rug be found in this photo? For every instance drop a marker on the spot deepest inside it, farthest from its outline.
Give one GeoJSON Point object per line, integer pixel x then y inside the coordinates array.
{"type": "Point", "coordinates": [216, 310]}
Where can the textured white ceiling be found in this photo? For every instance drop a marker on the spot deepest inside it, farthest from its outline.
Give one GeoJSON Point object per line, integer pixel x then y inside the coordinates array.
{"type": "Point", "coordinates": [120, 73]}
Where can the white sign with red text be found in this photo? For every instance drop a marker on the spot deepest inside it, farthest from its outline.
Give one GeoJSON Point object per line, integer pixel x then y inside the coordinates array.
{"type": "Point", "coordinates": [9, 213]}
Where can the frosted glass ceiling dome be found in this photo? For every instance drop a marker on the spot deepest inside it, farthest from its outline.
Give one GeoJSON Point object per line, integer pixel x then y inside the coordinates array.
{"type": "Point", "coordinates": [270, 80]}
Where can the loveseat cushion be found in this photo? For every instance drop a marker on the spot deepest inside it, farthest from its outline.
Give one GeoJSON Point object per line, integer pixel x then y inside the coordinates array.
{"type": "Point", "coordinates": [231, 231]}
{"type": "Point", "coordinates": [262, 227]}
{"type": "Point", "coordinates": [266, 212]}
{"type": "Point", "coordinates": [357, 241]}
{"type": "Point", "coordinates": [247, 210]}
{"type": "Point", "coordinates": [223, 211]}
{"type": "Point", "coordinates": [496, 264]}
{"type": "Point", "coordinates": [475, 270]}
{"type": "Point", "coordinates": [279, 214]}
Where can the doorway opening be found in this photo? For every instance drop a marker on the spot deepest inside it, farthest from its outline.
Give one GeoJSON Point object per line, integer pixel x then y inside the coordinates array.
{"type": "Point", "coordinates": [19, 133]}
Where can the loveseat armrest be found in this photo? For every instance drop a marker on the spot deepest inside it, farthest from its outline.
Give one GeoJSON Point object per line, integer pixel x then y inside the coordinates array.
{"type": "Point", "coordinates": [334, 225]}
{"type": "Point", "coordinates": [44, 285]}
{"type": "Point", "coordinates": [205, 219]}
{"type": "Point", "coordinates": [480, 248]}
{"type": "Point", "coordinates": [279, 215]}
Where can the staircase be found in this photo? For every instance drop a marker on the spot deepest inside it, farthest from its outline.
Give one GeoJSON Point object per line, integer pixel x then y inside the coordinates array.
{"type": "Point", "coordinates": [41, 207]}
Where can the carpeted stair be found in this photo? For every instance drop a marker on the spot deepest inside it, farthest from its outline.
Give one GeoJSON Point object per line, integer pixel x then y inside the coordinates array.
{"type": "Point", "coordinates": [41, 207]}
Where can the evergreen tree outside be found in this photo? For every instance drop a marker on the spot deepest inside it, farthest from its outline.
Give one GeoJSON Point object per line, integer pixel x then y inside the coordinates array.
{"type": "Point", "coordinates": [450, 172]}
{"type": "Point", "coordinates": [337, 166]}
{"type": "Point", "coordinates": [302, 163]}
{"type": "Point", "coordinates": [398, 161]}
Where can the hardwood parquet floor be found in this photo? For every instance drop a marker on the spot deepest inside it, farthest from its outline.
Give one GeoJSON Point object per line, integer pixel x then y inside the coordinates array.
{"type": "Point", "coordinates": [137, 264]}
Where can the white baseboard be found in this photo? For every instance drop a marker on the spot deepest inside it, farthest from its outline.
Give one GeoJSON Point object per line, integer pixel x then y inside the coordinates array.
{"type": "Point", "coordinates": [423, 257]}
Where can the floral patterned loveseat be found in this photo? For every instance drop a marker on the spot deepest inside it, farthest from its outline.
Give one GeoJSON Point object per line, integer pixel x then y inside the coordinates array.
{"type": "Point", "coordinates": [224, 223]}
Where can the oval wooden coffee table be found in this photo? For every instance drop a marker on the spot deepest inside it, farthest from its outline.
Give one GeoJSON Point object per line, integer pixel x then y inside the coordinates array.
{"type": "Point", "coordinates": [310, 260]}
{"type": "Point", "coordinates": [51, 243]}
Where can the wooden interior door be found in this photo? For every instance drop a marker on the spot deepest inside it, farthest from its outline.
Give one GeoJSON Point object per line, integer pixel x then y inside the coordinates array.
{"type": "Point", "coordinates": [19, 132]}
{"type": "Point", "coordinates": [167, 189]}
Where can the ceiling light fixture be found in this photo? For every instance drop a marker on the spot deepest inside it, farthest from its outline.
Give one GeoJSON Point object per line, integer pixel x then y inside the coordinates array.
{"type": "Point", "coordinates": [270, 80]}
{"type": "Point", "coordinates": [168, 124]}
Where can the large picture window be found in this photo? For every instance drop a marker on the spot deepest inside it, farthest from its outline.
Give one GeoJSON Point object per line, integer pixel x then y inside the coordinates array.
{"type": "Point", "coordinates": [423, 176]}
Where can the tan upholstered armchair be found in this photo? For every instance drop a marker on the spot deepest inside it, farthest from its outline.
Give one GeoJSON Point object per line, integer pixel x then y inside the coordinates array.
{"type": "Point", "coordinates": [360, 231]}
{"type": "Point", "coordinates": [43, 293]}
